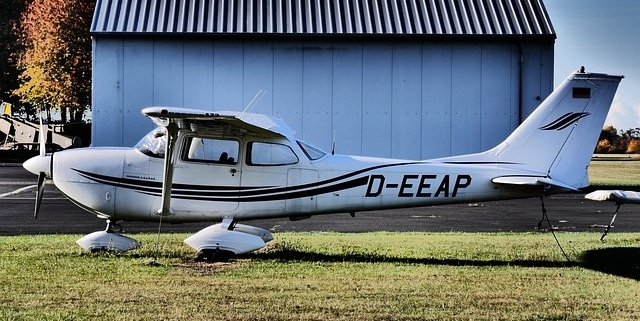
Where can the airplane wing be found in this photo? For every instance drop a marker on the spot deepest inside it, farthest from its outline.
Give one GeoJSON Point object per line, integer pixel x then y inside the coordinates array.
{"type": "Point", "coordinates": [617, 196]}
{"type": "Point", "coordinates": [231, 123]}
{"type": "Point", "coordinates": [530, 181]}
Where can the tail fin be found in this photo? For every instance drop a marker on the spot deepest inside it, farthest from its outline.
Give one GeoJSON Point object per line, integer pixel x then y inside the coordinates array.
{"type": "Point", "coordinates": [555, 143]}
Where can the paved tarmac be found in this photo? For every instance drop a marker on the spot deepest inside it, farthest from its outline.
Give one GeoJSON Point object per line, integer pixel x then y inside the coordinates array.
{"type": "Point", "coordinates": [566, 212]}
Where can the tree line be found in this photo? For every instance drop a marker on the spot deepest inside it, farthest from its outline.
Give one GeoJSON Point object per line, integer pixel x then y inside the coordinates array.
{"type": "Point", "coordinates": [612, 141]}
{"type": "Point", "coordinates": [45, 56]}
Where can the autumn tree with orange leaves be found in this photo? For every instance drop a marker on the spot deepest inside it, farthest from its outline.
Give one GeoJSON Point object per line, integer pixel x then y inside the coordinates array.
{"type": "Point", "coordinates": [57, 58]}
{"type": "Point", "coordinates": [623, 142]}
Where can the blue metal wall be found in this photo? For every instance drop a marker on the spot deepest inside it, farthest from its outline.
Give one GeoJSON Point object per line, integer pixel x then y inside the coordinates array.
{"type": "Point", "coordinates": [403, 99]}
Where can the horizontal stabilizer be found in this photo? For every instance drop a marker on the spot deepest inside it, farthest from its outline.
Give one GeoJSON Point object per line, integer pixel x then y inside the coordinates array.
{"type": "Point", "coordinates": [617, 196]}
{"type": "Point", "coordinates": [531, 181]}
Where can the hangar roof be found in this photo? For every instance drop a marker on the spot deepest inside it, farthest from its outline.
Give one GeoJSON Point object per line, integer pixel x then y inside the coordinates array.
{"type": "Point", "coordinates": [324, 17]}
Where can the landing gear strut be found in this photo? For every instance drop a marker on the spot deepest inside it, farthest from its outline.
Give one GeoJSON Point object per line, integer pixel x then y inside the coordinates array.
{"type": "Point", "coordinates": [606, 230]}
{"type": "Point", "coordinates": [113, 227]}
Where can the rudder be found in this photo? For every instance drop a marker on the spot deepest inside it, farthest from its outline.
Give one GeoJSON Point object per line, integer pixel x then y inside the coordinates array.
{"type": "Point", "coordinates": [557, 140]}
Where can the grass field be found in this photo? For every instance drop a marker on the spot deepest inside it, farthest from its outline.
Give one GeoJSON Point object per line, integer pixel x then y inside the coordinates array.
{"type": "Point", "coordinates": [332, 276]}
{"type": "Point", "coordinates": [329, 276]}
{"type": "Point", "coordinates": [615, 170]}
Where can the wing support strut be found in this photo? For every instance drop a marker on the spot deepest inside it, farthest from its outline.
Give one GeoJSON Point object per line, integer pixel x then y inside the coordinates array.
{"type": "Point", "coordinates": [169, 160]}
{"type": "Point", "coordinates": [606, 230]}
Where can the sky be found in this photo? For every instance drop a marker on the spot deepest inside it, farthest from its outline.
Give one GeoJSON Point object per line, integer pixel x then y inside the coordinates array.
{"type": "Point", "coordinates": [603, 36]}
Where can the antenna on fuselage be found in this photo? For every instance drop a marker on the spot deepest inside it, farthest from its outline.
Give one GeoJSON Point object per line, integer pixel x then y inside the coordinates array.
{"type": "Point", "coordinates": [333, 142]}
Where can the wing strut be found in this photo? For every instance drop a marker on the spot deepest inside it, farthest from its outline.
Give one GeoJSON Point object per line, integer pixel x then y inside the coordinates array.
{"type": "Point", "coordinates": [606, 230]}
{"type": "Point", "coordinates": [169, 159]}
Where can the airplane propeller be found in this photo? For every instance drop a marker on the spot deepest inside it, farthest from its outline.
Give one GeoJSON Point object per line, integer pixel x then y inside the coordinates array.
{"type": "Point", "coordinates": [41, 166]}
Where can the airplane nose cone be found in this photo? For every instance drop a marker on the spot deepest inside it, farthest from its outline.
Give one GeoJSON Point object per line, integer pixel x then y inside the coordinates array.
{"type": "Point", "coordinates": [39, 164]}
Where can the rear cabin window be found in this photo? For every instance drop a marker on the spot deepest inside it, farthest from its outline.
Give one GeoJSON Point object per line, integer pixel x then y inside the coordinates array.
{"type": "Point", "coordinates": [270, 154]}
{"type": "Point", "coordinates": [211, 150]}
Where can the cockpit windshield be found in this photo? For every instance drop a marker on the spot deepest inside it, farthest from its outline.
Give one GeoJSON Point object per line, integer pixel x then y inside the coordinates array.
{"type": "Point", "coordinates": [154, 143]}
{"type": "Point", "coordinates": [312, 152]}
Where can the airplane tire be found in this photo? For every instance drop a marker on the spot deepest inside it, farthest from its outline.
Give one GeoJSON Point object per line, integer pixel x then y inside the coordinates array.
{"type": "Point", "coordinates": [214, 255]}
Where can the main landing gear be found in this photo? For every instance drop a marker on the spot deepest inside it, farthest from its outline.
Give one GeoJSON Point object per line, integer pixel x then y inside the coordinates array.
{"type": "Point", "coordinates": [220, 242]}
{"type": "Point", "coordinates": [108, 240]}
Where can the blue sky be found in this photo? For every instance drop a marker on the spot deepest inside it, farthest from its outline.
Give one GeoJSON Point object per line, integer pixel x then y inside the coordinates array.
{"type": "Point", "coordinates": [604, 36]}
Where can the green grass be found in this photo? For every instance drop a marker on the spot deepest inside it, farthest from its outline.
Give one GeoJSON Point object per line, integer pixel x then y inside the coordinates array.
{"type": "Point", "coordinates": [615, 170]}
{"type": "Point", "coordinates": [332, 276]}
{"type": "Point", "coordinates": [329, 276]}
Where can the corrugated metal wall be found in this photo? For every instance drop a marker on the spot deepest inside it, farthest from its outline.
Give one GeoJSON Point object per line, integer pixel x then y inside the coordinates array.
{"type": "Point", "coordinates": [396, 78]}
{"type": "Point", "coordinates": [402, 99]}
{"type": "Point", "coordinates": [422, 17]}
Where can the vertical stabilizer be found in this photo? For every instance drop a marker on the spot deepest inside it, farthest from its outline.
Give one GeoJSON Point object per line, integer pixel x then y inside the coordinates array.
{"type": "Point", "coordinates": [556, 142]}
{"type": "Point", "coordinates": [558, 138]}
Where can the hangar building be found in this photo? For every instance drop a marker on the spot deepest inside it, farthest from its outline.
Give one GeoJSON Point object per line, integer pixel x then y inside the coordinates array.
{"type": "Point", "coordinates": [410, 79]}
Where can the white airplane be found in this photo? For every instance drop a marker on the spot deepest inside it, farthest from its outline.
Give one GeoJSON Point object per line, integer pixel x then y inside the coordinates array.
{"type": "Point", "coordinates": [619, 197]}
{"type": "Point", "coordinates": [231, 167]}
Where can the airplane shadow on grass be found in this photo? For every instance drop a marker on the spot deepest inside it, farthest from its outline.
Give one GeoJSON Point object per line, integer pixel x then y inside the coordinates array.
{"type": "Point", "coordinates": [619, 261]}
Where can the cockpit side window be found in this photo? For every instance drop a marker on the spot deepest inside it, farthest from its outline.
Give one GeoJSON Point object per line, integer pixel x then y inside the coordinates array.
{"type": "Point", "coordinates": [210, 150]}
{"type": "Point", "coordinates": [270, 154]}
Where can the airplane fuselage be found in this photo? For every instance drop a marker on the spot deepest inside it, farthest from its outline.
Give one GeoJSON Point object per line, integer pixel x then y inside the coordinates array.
{"type": "Point", "coordinates": [125, 184]}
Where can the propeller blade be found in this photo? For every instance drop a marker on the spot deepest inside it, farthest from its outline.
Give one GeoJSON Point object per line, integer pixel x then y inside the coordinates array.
{"type": "Point", "coordinates": [39, 193]}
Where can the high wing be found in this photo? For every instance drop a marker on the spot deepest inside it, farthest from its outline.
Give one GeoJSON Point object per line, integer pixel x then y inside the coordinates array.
{"type": "Point", "coordinates": [617, 196]}
{"type": "Point", "coordinates": [229, 123]}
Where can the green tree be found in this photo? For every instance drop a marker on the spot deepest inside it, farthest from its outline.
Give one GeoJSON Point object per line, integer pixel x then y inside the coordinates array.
{"type": "Point", "coordinates": [57, 59]}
